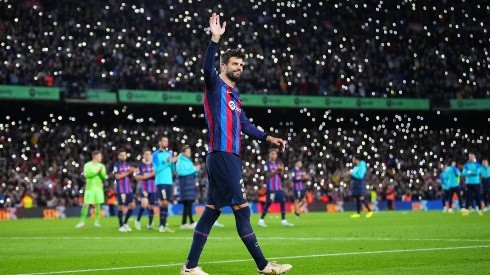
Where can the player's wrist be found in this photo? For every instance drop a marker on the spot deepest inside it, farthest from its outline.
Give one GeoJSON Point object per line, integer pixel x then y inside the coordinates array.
{"type": "Point", "coordinates": [215, 38]}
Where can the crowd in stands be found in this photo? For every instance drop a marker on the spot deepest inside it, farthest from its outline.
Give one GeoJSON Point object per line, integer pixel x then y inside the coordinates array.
{"type": "Point", "coordinates": [409, 48]}
{"type": "Point", "coordinates": [45, 156]}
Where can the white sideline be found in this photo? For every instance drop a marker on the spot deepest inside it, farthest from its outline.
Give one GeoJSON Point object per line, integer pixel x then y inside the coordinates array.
{"type": "Point", "coordinates": [275, 258]}
{"type": "Point", "coordinates": [141, 238]}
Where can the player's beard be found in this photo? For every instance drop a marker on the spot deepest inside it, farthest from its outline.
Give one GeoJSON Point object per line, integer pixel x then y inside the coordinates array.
{"type": "Point", "coordinates": [233, 76]}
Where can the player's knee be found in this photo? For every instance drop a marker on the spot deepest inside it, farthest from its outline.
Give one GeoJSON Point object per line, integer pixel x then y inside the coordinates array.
{"type": "Point", "coordinates": [164, 203]}
{"type": "Point", "coordinates": [240, 206]}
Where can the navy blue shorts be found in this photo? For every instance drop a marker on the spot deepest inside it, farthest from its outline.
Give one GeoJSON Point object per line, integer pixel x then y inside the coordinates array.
{"type": "Point", "coordinates": [152, 197]}
{"type": "Point", "coordinates": [276, 196]}
{"type": "Point", "coordinates": [164, 192]}
{"type": "Point", "coordinates": [299, 194]}
{"type": "Point", "coordinates": [125, 199]}
{"type": "Point", "coordinates": [357, 187]}
{"type": "Point", "coordinates": [225, 180]}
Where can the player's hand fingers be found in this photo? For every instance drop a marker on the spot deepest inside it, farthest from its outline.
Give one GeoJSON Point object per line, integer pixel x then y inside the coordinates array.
{"type": "Point", "coordinates": [224, 25]}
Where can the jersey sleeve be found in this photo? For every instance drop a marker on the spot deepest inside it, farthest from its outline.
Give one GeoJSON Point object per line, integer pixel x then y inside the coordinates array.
{"type": "Point", "coordinates": [208, 67]}
{"type": "Point", "coordinates": [250, 129]}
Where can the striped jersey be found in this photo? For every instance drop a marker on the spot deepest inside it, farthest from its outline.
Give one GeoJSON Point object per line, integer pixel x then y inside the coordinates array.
{"type": "Point", "coordinates": [148, 185]}
{"type": "Point", "coordinates": [297, 176]}
{"type": "Point", "coordinates": [223, 110]}
{"type": "Point", "coordinates": [274, 182]}
{"type": "Point", "coordinates": [123, 186]}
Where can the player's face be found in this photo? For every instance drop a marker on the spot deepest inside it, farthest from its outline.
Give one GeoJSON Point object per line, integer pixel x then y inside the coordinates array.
{"type": "Point", "coordinates": [147, 155]}
{"type": "Point", "coordinates": [272, 155]}
{"type": "Point", "coordinates": [98, 157]}
{"type": "Point", "coordinates": [299, 164]}
{"type": "Point", "coordinates": [485, 163]}
{"type": "Point", "coordinates": [187, 153]}
{"type": "Point", "coordinates": [471, 157]}
{"type": "Point", "coordinates": [122, 156]}
{"type": "Point", "coordinates": [453, 163]}
{"type": "Point", "coordinates": [355, 161]}
{"type": "Point", "coordinates": [163, 143]}
{"type": "Point", "coordinates": [234, 68]}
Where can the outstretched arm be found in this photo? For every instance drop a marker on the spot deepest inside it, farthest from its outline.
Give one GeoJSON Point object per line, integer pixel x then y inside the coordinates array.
{"type": "Point", "coordinates": [208, 67]}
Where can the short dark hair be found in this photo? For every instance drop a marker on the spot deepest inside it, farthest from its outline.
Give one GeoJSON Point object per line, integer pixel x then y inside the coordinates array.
{"type": "Point", "coordinates": [357, 156]}
{"type": "Point", "coordinates": [122, 150]}
{"type": "Point", "coordinates": [185, 148]}
{"type": "Point", "coordinates": [147, 149]}
{"type": "Point", "coordinates": [96, 152]}
{"type": "Point", "coordinates": [162, 137]}
{"type": "Point", "coordinates": [225, 57]}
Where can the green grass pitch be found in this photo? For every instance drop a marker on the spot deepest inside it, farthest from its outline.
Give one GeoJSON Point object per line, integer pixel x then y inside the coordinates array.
{"type": "Point", "coordinates": [319, 243]}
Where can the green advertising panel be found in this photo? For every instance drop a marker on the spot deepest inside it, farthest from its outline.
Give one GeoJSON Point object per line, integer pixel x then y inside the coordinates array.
{"type": "Point", "coordinates": [101, 96]}
{"type": "Point", "coordinates": [470, 104]}
{"type": "Point", "coordinates": [281, 101]}
{"type": "Point", "coordinates": [158, 97]}
{"type": "Point", "coordinates": [29, 93]}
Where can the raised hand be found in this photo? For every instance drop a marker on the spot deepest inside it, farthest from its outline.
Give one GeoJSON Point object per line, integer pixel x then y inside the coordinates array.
{"type": "Point", "coordinates": [215, 27]}
{"type": "Point", "coordinates": [277, 142]}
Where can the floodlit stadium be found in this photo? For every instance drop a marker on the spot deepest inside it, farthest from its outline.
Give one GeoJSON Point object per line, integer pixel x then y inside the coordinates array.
{"type": "Point", "coordinates": [240, 137]}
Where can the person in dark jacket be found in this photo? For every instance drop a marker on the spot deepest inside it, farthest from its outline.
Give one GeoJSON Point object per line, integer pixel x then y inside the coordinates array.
{"type": "Point", "coordinates": [187, 172]}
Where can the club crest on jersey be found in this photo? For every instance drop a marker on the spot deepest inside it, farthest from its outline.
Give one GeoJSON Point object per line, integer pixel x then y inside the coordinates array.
{"type": "Point", "coordinates": [232, 105]}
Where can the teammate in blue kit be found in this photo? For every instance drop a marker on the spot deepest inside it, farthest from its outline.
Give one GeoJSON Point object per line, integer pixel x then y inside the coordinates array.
{"type": "Point", "coordinates": [123, 172]}
{"type": "Point", "coordinates": [164, 166]}
{"type": "Point", "coordinates": [226, 120]}
{"type": "Point", "coordinates": [358, 186]}
{"type": "Point", "coordinates": [299, 176]}
{"type": "Point", "coordinates": [273, 174]}
{"type": "Point", "coordinates": [449, 179]}
{"type": "Point", "coordinates": [146, 176]}
{"type": "Point", "coordinates": [471, 171]}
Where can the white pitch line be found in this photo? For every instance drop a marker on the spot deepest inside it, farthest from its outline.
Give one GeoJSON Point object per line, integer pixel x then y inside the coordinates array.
{"type": "Point", "coordinates": [142, 238]}
{"type": "Point", "coordinates": [274, 258]}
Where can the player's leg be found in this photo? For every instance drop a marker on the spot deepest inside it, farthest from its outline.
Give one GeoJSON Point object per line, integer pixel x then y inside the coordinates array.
{"type": "Point", "coordinates": [296, 206]}
{"type": "Point", "coordinates": [88, 198]}
{"type": "Point", "coordinates": [189, 213]}
{"type": "Point", "coordinates": [449, 199]}
{"type": "Point", "coordinates": [281, 198]}
{"type": "Point", "coordinates": [478, 199]}
{"type": "Point", "coordinates": [151, 211]}
{"type": "Point", "coordinates": [144, 205]}
{"type": "Point", "coordinates": [131, 206]}
{"type": "Point", "coordinates": [184, 215]}
{"type": "Point", "coordinates": [270, 198]}
{"type": "Point", "coordinates": [121, 201]}
{"type": "Point", "coordinates": [99, 200]}
{"type": "Point", "coordinates": [166, 195]}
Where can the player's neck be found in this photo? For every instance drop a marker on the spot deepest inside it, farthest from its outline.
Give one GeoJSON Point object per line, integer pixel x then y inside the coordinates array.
{"type": "Point", "coordinates": [95, 161]}
{"type": "Point", "coordinates": [227, 80]}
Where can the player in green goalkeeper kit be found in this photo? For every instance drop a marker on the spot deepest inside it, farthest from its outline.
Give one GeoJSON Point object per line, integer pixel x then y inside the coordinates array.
{"type": "Point", "coordinates": [95, 174]}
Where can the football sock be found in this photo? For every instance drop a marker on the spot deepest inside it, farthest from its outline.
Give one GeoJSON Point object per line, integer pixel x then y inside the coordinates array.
{"type": "Point", "coordinates": [97, 212]}
{"type": "Point", "coordinates": [266, 208]}
{"type": "Point", "coordinates": [140, 213]}
{"type": "Point", "coordinates": [203, 227]}
{"type": "Point", "coordinates": [245, 231]}
{"type": "Point", "coordinates": [358, 205]}
{"type": "Point", "coordinates": [128, 214]}
{"type": "Point", "coordinates": [83, 214]}
{"type": "Point", "coordinates": [283, 210]}
{"type": "Point", "coordinates": [150, 215]}
{"type": "Point", "coordinates": [119, 216]}
{"type": "Point", "coordinates": [163, 215]}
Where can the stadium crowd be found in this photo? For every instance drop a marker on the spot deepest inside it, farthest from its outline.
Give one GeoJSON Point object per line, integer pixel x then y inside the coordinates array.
{"type": "Point", "coordinates": [45, 155]}
{"type": "Point", "coordinates": [345, 48]}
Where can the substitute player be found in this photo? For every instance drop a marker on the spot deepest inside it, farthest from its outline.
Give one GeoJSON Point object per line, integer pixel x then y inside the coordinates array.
{"type": "Point", "coordinates": [358, 186]}
{"type": "Point", "coordinates": [472, 170]}
{"type": "Point", "coordinates": [95, 174]}
{"type": "Point", "coordinates": [124, 192]}
{"type": "Point", "coordinates": [225, 120]}
{"type": "Point", "coordinates": [146, 176]}
{"type": "Point", "coordinates": [451, 174]}
{"type": "Point", "coordinates": [299, 176]}
{"type": "Point", "coordinates": [164, 166]}
{"type": "Point", "coordinates": [273, 174]}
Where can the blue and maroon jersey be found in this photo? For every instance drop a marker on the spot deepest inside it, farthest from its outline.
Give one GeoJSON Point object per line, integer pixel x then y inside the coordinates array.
{"type": "Point", "coordinates": [273, 183]}
{"type": "Point", "coordinates": [223, 110]}
{"type": "Point", "coordinates": [297, 176]}
{"type": "Point", "coordinates": [147, 185]}
{"type": "Point", "coordinates": [123, 186]}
